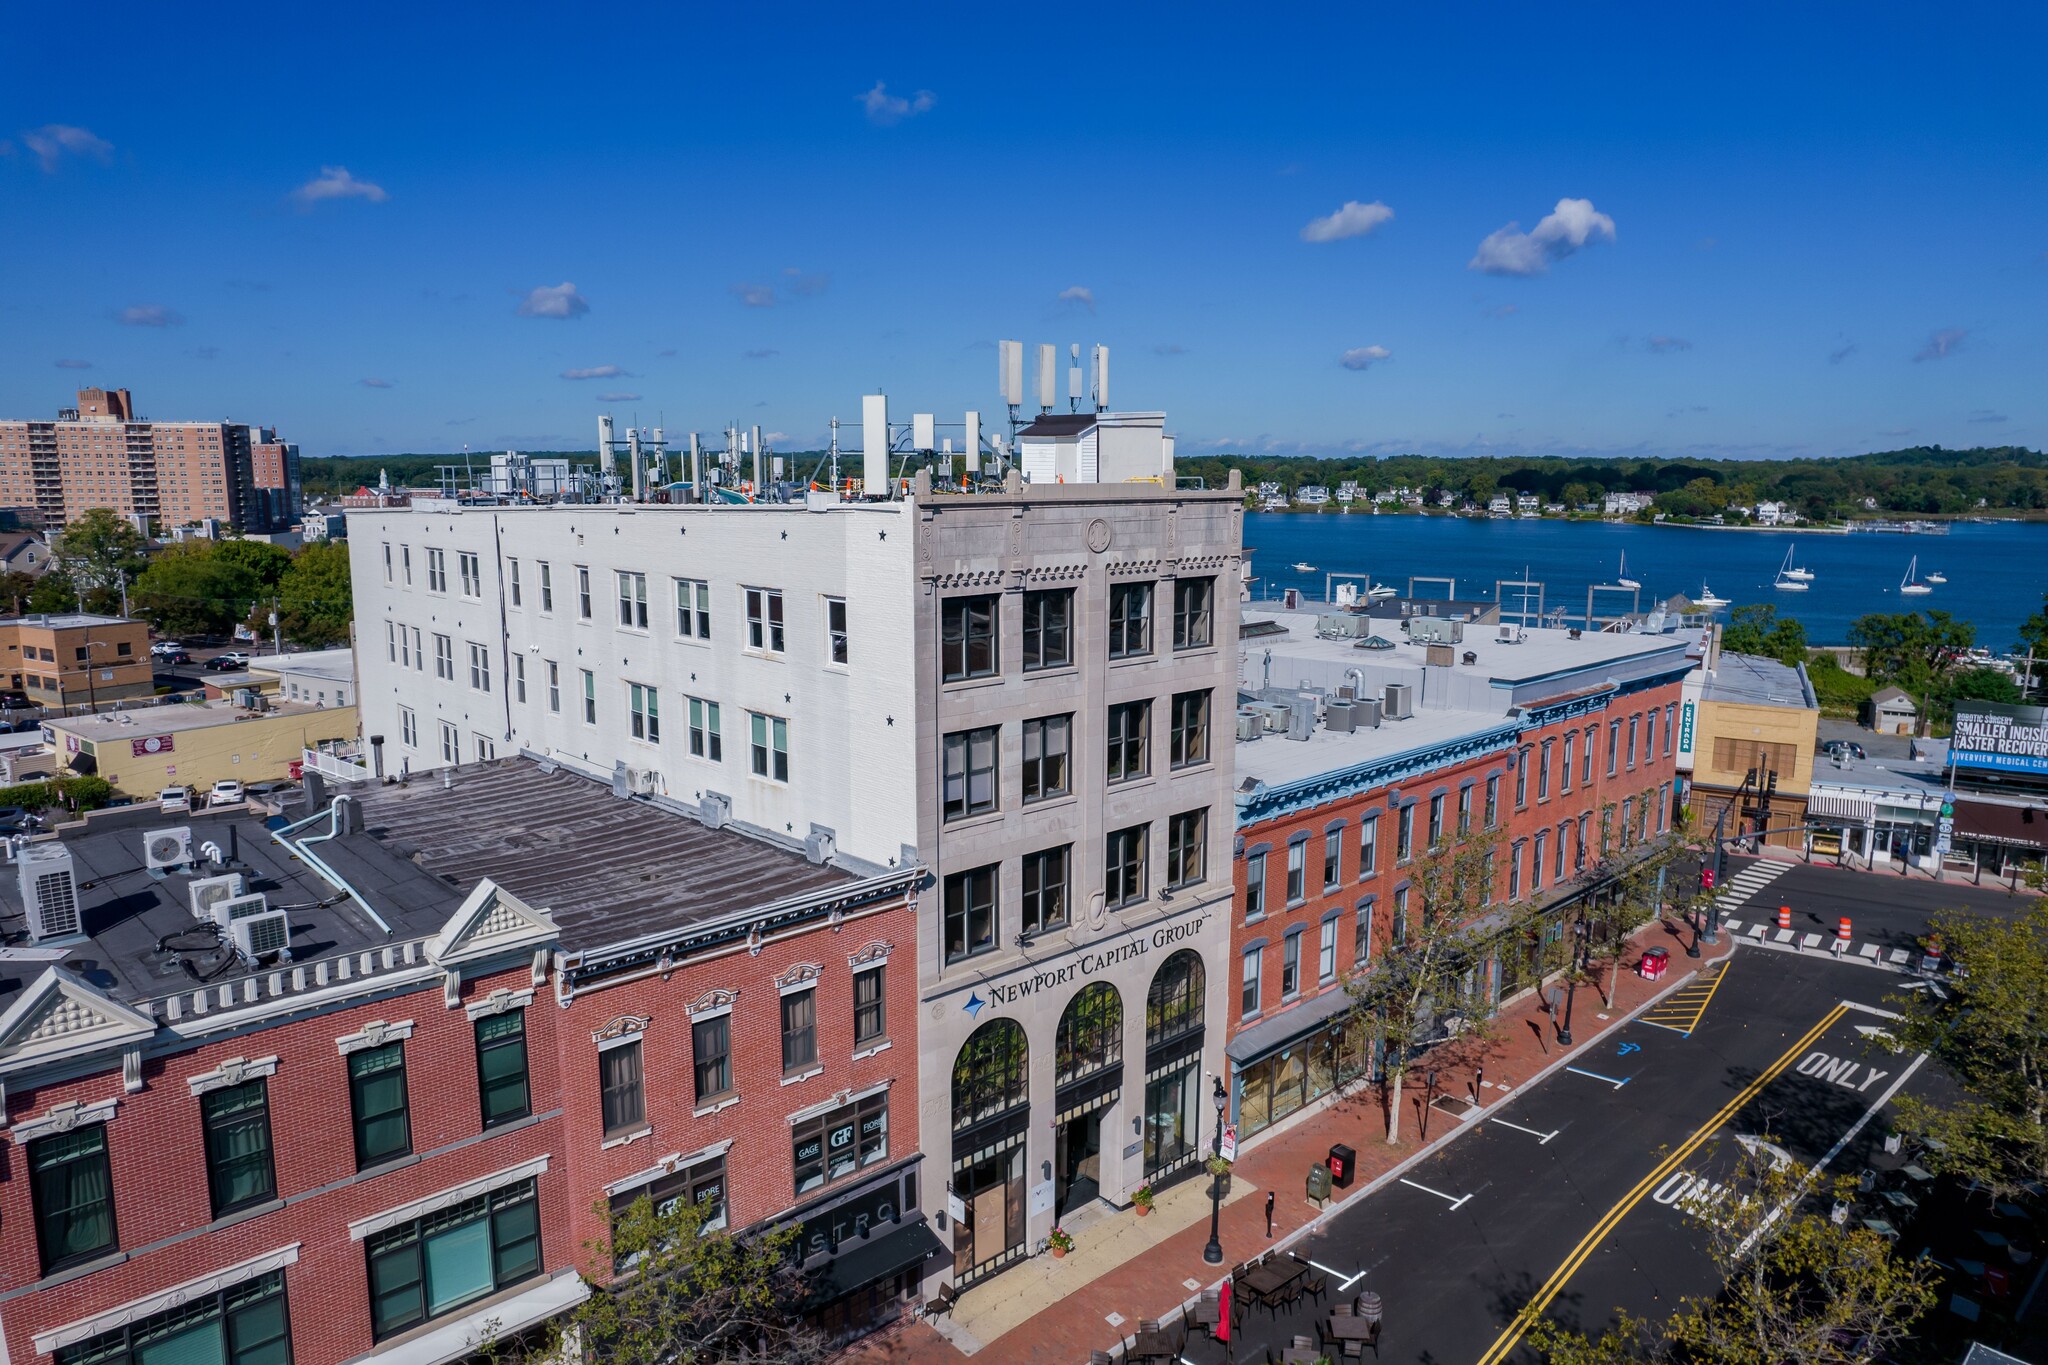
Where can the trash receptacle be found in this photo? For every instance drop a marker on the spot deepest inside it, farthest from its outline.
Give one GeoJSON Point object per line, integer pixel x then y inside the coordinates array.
{"type": "Point", "coordinates": [1655, 960]}
{"type": "Point", "coordinates": [1343, 1161]}
{"type": "Point", "coordinates": [1319, 1182]}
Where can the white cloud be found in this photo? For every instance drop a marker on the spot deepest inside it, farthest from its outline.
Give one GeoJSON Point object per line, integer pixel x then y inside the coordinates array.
{"type": "Point", "coordinates": [1078, 293]}
{"type": "Point", "coordinates": [1364, 357]}
{"type": "Point", "coordinates": [1665, 345]}
{"type": "Point", "coordinates": [618, 397]}
{"type": "Point", "coordinates": [375, 383]}
{"type": "Point", "coordinates": [754, 295]}
{"type": "Point", "coordinates": [1353, 220]}
{"type": "Point", "coordinates": [52, 142]}
{"type": "Point", "coordinates": [596, 372]}
{"type": "Point", "coordinates": [554, 301]}
{"type": "Point", "coordinates": [334, 182]}
{"type": "Point", "coordinates": [74, 364]}
{"type": "Point", "coordinates": [886, 110]}
{"type": "Point", "coordinates": [1571, 225]}
{"type": "Point", "coordinates": [148, 315]}
{"type": "Point", "coordinates": [1942, 344]}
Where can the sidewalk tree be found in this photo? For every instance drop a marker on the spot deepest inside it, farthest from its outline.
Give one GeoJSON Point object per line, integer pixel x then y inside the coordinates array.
{"type": "Point", "coordinates": [1797, 1287]}
{"type": "Point", "coordinates": [1625, 887]}
{"type": "Point", "coordinates": [314, 599]}
{"type": "Point", "coordinates": [1989, 1030]}
{"type": "Point", "coordinates": [191, 589]}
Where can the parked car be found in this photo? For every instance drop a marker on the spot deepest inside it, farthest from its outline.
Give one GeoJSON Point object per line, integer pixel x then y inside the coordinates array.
{"type": "Point", "coordinates": [166, 647]}
{"type": "Point", "coordinates": [18, 820]}
{"type": "Point", "coordinates": [228, 662]}
{"type": "Point", "coordinates": [226, 792]}
{"type": "Point", "coordinates": [175, 800]}
{"type": "Point", "coordinates": [14, 698]}
{"type": "Point", "coordinates": [1843, 746]}
{"type": "Point", "coordinates": [19, 725]}
{"type": "Point", "coordinates": [172, 656]}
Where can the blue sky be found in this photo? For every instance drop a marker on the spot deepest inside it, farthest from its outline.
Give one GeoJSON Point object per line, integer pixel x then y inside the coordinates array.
{"type": "Point", "coordinates": [1737, 230]}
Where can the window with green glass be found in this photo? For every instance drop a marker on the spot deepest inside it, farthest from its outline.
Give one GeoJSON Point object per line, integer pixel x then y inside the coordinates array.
{"type": "Point", "coordinates": [501, 1066]}
{"type": "Point", "coordinates": [239, 1171]}
{"type": "Point", "coordinates": [453, 1256]}
{"type": "Point", "coordinates": [73, 1187]}
{"type": "Point", "coordinates": [244, 1324]}
{"type": "Point", "coordinates": [376, 1092]}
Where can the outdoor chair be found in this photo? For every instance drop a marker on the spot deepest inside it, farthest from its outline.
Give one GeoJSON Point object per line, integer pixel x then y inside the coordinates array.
{"type": "Point", "coordinates": [1317, 1286]}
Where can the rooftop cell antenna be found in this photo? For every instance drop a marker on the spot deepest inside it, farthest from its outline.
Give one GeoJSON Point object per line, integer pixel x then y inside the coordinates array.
{"type": "Point", "coordinates": [1102, 378]}
{"type": "Point", "coordinates": [1074, 389]}
{"type": "Point", "coordinates": [1048, 376]}
{"type": "Point", "coordinates": [1010, 377]}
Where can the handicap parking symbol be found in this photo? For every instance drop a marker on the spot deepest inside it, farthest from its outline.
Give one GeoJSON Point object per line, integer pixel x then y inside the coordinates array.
{"type": "Point", "coordinates": [1627, 1048]}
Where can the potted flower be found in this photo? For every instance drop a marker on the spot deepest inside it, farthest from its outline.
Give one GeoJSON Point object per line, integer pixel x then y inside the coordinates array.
{"type": "Point", "coordinates": [1220, 1169]}
{"type": "Point", "coordinates": [1141, 1200]}
{"type": "Point", "coordinates": [1060, 1242]}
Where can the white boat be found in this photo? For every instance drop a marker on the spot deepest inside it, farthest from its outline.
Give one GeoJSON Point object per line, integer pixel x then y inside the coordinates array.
{"type": "Point", "coordinates": [1937, 578]}
{"type": "Point", "coordinates": [1623, 580]}
{"type": "Point", "coordinates": [1380, 592]}
{"type": "Point", "coordinates": [1909, 585]}
{"type": "Point", "coordinates": [1707, 598]}
{"type": "Point", "coordinates": [1791, 579]}
{"type": "Point", "coordinates": [1299, 567]}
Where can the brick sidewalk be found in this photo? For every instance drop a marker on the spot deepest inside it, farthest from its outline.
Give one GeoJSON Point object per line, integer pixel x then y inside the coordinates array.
{"type": "Point", "coordinates": [1153, 1284]}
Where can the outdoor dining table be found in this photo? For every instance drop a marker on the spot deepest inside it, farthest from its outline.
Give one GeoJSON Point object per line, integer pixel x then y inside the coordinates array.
{"type": "Point", "coordinates": [1348, 1327]}
{"type": "Point", "coordinates": [1272, 1276]}
{"type": "Point", "coordinates": [1157, 1344]}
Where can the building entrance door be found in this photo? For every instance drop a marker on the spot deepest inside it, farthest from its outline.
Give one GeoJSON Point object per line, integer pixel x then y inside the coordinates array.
{"type": "Point", "coordinates": [1078, 1162]}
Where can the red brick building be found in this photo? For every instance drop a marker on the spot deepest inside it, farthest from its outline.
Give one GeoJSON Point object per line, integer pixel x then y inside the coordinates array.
{"type": "Point", "coordinates": [402, 1131]}
{"type": "Point", "coordinates": [1533, 736]}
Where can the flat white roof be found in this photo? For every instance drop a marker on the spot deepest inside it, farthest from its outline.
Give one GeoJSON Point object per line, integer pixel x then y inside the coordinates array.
{"type": "Point", "coordinates": [143, 721]}
{"type": "Point", "coordinates": [327, 665]}
{"type": "Point", "coordinates": [1276, 760]}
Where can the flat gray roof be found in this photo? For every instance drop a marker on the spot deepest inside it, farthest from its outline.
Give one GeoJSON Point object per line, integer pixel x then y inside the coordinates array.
{"type": "Point", "coordinates": [1759, 681]}
{"type": "Point", "coordinates": [1276, 760]}
{"type": "Point", "coordinates": [1536, 652]}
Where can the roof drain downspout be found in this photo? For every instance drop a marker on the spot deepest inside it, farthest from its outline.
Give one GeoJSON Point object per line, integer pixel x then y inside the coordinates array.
{"type": "Point", "coordinates": [333, 817]}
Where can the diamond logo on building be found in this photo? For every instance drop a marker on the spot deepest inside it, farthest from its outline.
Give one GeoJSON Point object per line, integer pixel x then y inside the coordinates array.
{"type": "Point", "coordinates": [972, 1004]}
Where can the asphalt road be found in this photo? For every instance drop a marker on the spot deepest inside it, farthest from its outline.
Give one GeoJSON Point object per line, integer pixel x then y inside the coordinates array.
{"type": "Point", "coordinates": [1882, 906]}
{"type": "Point", "coordinates": [1569, 1193]}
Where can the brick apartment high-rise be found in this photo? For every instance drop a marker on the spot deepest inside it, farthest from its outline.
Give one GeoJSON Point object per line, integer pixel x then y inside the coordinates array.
{"type": "Point", "coordinates": [176, 473]}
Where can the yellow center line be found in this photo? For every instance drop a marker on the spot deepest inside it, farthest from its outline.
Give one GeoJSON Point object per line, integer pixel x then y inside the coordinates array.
{"type": "Point", "coordinates": [1533, 1310]}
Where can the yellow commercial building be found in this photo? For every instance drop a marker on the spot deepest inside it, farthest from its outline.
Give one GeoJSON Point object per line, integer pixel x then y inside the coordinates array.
{"type": "Point", "coordinates": [1749, 727]}
{"type": "Point", "coordinates": [197, 744]}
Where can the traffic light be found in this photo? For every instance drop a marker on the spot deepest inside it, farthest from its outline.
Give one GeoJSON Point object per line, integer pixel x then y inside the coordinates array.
{"type": "Point", "coordinates": [1706, 879]}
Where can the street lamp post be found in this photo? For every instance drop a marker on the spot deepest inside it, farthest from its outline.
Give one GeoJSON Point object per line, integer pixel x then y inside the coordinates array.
{"type": "Point", "coordinates": [1213, 1253]}
{"type": "Point", "coordinates": [1571, 981]}
{"type": "Point", "coordinates": [1712, 935]}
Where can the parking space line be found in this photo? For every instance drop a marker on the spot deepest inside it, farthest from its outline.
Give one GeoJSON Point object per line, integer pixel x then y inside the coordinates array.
{"type": "Point", "coordinates": [1543, 1137]}
{"type": "Point", "coordinates": [1519, 1326]}
{"type": "Point", "coordinates": [1598, 1077]}
{"type": "Point", "coordinates": [1456, 1203]}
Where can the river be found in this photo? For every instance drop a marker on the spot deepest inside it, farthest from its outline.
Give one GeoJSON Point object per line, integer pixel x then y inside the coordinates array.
{"type": "Point", "coordinates": [1996, 573]}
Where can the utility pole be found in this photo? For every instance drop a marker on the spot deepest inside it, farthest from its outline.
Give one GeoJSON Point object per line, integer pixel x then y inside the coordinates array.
{"type": "Point", "coordinates": [276, 631]}
{"type": "Point", "coordinates": [123, 574]}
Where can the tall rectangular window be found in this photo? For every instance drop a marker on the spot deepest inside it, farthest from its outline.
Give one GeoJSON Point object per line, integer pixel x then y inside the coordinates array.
{"type": "Point", "coordinates": [377, 1103]}
{"type": "Point", "coordinates": [632, 600]}
{"type": "Point", "coordinates": [770, 748]}
{"type": "Point", "coordinates": [1290, 964]}
{"type": "Point", "coordinates": [437, 571]}
{"type": "Point", "coordinates": [1650, 736]}
{"type": "Point", "coordinates": [1046, 885]}
{"type": "Point", "coordinates": [1361, 935]}
{"type": "Point", "coordinates": [1538, 846]}
{"type": "Point", "coordinates": [554, 686]}
{"type": "Point", "coordinates": [1333, 858]}
{"type": "Point", "coordinates": [1404, 834]}
{"type": "Point", "coordinates": [1522, 776]}
{"type": "Point", "coordinates": [1254, 972]}
{"type": "Point", "coordinates": [1193, 605]}
{"type": "Point", "coordinates": [547, 586]}
{"type": "Point", "coordinates": [645, 705]}
{"type": "Point", "coordinates": [1187, 848]}
{"type": "Point", "coordinates": [1613, 746]}
{"type": "Point", "coordinates": [1543, 772]}
{"type": "Point", "coordinates": [799, 1030]}
{"type": "Point", "coordinates": [479, 668]}
{"type": "Point", "coordinates": [1464, 810]}
{"type": "Point", "coordinates": [1633, 723]}
{"type": "Point", "coordinates": [1047, 742]}
{"type": "Point", "coordinates": [391, 633]}
{"type": "Point", "coordinates": [622, 1089]}
{"type": "Point", "coordinates": [870, 1006]}
{"type": "Point", "coordinates": [1326, 952]}
{"type": "Point", "coordinates": [444, 657]}
{"type": "Point", "coordinates": [1124, 866]}
{"type": "Point", "coordinates": [1564, 835]}
{"type": "Point", "coordinates": [764, 620]}
{"type": "Point", "coordinates": [519, 678]}
{"type": "Point", "coordinates": [704, 738]}
{"type": "Point", "coordinates": [1586, 759]}
{"type": "Point", "coordinates": [711, 1056]}
{"type": "Point", "coordinates": [432, 1265]}
{"type": "Point", "coordinates": [583, 591]}
{"type": "Point", "coordinates": [387, 561]}
{"type": "Point", "coordinates": [239, 1171]}
{"type": "Point", "coordinates": [967, 638]}
{"type": "Point", "coordinates": [1579, 847]}
{"type": "Point", "coordinates": [835, 629]}
{"type": "Point", "coordinates": [405, 563]}
{"type": "Point", "coordinates": [1190, 735]}
{"type": "Point", "coordinates": [693, 608]}
{"type": "Point", "coordinates": [501, 1067]}
{"type": "Point", "coordinates": [1254, 886]}
{"type": "Point", "coordinates": [73, 1185]}
{"type": "Point", "coordinates": [1436, 820]}
{"type": "Point", "coordinates": [1564, 772]}
{"type": "Point", "coordinates": [1670, 727]}
{"type": "Point", "coordinates": [1048, 629]}
{"type": "Point", "coordinates": [970, 912]}
{"type": "Point", "coordinates": [1130, 620]}
{"type": "Point", "coordinates": [1493, 801]}
{"type": "Point", "coordinates": [968, 781]}
{"type": "Point", "coordinates": [1130, 740]}
{"type": "Point", "coordinates": [408, 727]}
{"type": "Point", "coordinates": [512, 582]}
{"type": "Point", "coordinates": [589, 697]}
{"type": "Point", "coordinates": [1297, 871]}
{"type": "Point", "coordinates": [1368, 846]}
{"type": "Point", "coordinates": [472, 573]}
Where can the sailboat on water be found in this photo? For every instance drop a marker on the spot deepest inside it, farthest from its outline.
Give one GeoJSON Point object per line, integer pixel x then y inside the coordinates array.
{"type": "Point", "coordinates": [1910, 585]}
{"type": "Point", "coordinates": [1623, 580]}
{"type": "Point", "coordinates": [1791, 579]}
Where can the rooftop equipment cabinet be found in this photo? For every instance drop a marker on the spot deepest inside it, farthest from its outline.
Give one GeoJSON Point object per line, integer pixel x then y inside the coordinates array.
{"type": "Point", "coordinates": [1400, 701]}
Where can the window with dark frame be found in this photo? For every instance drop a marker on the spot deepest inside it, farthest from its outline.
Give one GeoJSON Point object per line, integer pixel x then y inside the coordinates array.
{"type": "Point", "coordinates": [1048, 629]}
{"type": "Point", "coordinates": [967, 638]}
{"type": "Point", "coordinates": [693, 608]}
{"type": "Point", "coordinates": [1368, 846]}
{"type": "Point", "coordinates": [702, 1184]}
{"type": "Point", "coordinates": [870, 1006]}
{"type": "Point", "coordinates": [1297, 870]}
{"type": "Point", "coordinates": [242, 1324]}
{"type": "Point", "coordinates": [764, 619]}
{"type": "Point", "coordinates": [1333, 857]}
{"type": "Point", "coordinates": [799, 1030]}
{"type": "Point", "coordinates": [434, 1264]}
{"type": "Point", "coordinates": [1130, 620]}
{"type": "Point", "coordinates": [1564, 772]}
{"type": "Point", "coordinates": [968, 778]}
{"type": "Point", "coordinates": [72, 1183]}
{"type": "Point", "coordinates": [1189, 739]}
{"type": "Point", "coordinates": [837, 1144]}
{"type": "Point", "coordinates": [1187, 848]}
{"type": "Point", "coordinates": [1090, 1037]}
{"type": "Point", "coordinates": [1493, 801]}
{"type": "Point", "coordinates": [1193, 606]}
{"type": "Point", "coordinates": [622, 1088]}
{"type": "Point", "coordinates": [1543, 771]}
{"type": "Point", "coordinates": [1290, 964]}
{"type": "Point", "coordinates": [239, 1165]}
{"type": "Point", "coordinates": [1436, 820]}
{"type": "Point", "coordinates": [1130, 741]}
{"type": "Point", "coordinates": [835, 629]}
{"type": "Point", "coordinates": [1046, 879]}
{"type": "Point", "coordinates": [1254, 886]}
{"type": "Point", "coordinates": [711, 1056]}
{"type": "Point", "coordinates": [377, 1101]}
{"type": "Point", "coordinates": [970, 912]}
{"type": "Point", "coordinates": [501, 1067]}
{"type": "Point", "coordinates": [1522, 776]}
{"type": "Point", "coordinates": [1048, 740]}
{"type": "Point", "coordinates": [1404, 834]}
{"type": "Point", "coordinates": [1123, 871]}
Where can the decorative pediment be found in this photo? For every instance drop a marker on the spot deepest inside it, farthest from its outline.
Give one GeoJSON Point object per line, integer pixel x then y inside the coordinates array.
{"type": "Point", "coordinates": [233, 1071]}
{"type": "Point", "coordinates": [376, 1033]}
{"type": "Point", "coordinates": [873, 951]}
{"type": "Point", "coordinates": [61, 1016]}
{"type": "Point", "coordinates": [798, 976]}
{"type": "Point", "coordinates": [623, 1026]}
{"type": "Point", "coordinates": [490, 922]}
{"type": "Point", "coordinates": [713, 1000]}
{"type": "Point", "coordinates": [499, 1001]}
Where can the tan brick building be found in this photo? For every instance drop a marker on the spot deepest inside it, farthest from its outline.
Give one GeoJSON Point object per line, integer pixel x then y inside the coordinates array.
{"type": "Point", "coordinates": [175, 473]}
{"type": "Point", "coordinates": [75, 660]}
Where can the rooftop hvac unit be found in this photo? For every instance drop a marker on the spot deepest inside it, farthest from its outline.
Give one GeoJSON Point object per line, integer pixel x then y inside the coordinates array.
{"type": "Point", "coordinates": [1366, 714]}
{"type": "Point", "coordinates": [1276, 714]}
{"type": "Point", "coordinates": [1343, 626]}
{"type": "Point", "coordinates": [264, 935]}
{"type": "Point", "coordinates": [1507, 633]}
{"type": "Point", "coordinates": [167, 848]}
{"type": "Point", "coordinates": [1400, 701]}
{"type": "Point", "coordinates": [49, 893]}
{"type": "Point", "coordinates": [1436, 630]}
{"type": "Point", "coordinates": [1291, 599]}
{"type": "Point", "coordinates": [1303, 721]}
{"type": "Point", "coordinates": [644, 781]}
{"type": "Point", "coordinates": [231, 909]}
{"type": "Point", "coordinates": [1250, 724]}
{"type": "Point", "coordinates": [1338, 716]}
{"type": "Point", "coordinates": [208, 892]}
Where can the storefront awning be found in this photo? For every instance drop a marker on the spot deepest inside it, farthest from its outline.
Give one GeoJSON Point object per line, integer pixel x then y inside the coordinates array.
{"type": "Point", "coordinates": [1827, 806]}
{"type": "Point", "coordinates": [1271, 1035]}
{"type": "Point", "coordinates": [861, 1262]}
{"type": "Point", "coordinates": [1991, 823]}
